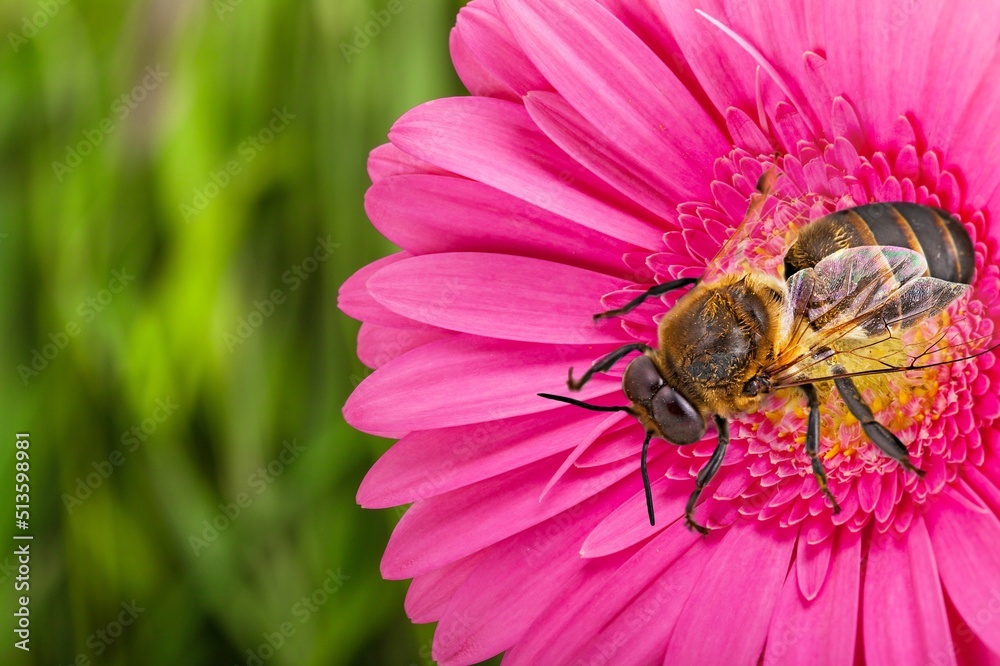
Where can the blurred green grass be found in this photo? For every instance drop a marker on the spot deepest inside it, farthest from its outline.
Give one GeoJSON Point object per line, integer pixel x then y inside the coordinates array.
{"type": "Point", "coordinates": [225, 68]}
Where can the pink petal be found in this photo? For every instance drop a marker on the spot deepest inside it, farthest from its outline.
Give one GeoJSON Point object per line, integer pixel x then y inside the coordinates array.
{"type": "Point", "coordinates": [970, 650]}
{"type": "Point", "coordinates": [965, 547]}
{"type": "Point", "coordinates": [639, 634]}
{"type": "Point", "coordinates": [812, 566]}
{"type": "Point", "coordinates": [611, 422]}
{"type": "Point", "coordinates": [430, 593]}
{"type": "Point", "coordinates": [609, 450]}
{"type": "Point", "coordinates": [356, 301]}
{"type": "Point", "coordinates": [790, 127]}
{"type": "Point", "coordinates": [983, 487]}
{"type": "Point", "coordinates": [734, 604]}
{"type": "Point", "coordinates": [475, 76]}
{"type": "Point", "coordinates": [377, 345]}
{"type": "Point", "coordinates": [432, 462]}
{"type": "Point", "coordinates": [903, 134]}
{"type": "Point", "coordinates": [614, 81]}
{"type": "Point", "coordinates": [815, 86]}
{"type": "Point", "coordinates": [443, 529]}
{"type": "Point", "coordinates": [745, 132]}
{"type": "Point", "coordinates": [821, 632]}
{"type": "Point", "coordinates": [587, 145]}
{"type": "Point", "coordinates": [429, 214]}
{"type": "Point", "coordinates": [628, 524]}
{"type": "Point", "coordinates": [887, 497]}
{"type": "Point", "coordinates": [779, 90]}
{"type": "Point", "coordinates": [489, 40]}
{"type": "Point", "coordinates": [988, 406]}
{"type": "Point", "coordinates": [473, 377]}
{"type": "Point", "coordinates": [846, 122]}
{"type": "Point", "coordinates": [863, 40]}
{"type": "Point", "coordinates": [492, 610]}
{"type": "Point", "coordinates": [971, 29]}
{"type": "Point", "coordinates": [905, 621]}
{"type": "Point", "coordinates": [933, 83]}
{"type": "Point", "coordinates": [387, 161]}
{"type": "Point", "coordinates": [495, 142]}
{"type": "Point", "coordinates": [645, 19]}
{"type": "Point", "coordinates": [500, 296]}
{"type": "Point", "coordinates": [568, 624]}
{"type": "Point", "coordinates": [869, 487]}
{"type": "Point", "coordinates": [976, 146]}
{"type": "Point", "coordinates": [725, 69]}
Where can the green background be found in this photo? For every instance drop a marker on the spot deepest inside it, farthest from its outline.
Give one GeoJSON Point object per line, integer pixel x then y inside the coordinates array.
{"type": "Point", "coordinates": [171, 334]}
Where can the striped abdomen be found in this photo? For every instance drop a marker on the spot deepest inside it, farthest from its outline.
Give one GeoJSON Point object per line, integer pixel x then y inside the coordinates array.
{"type": "Point", "coordinates": [938, 236]}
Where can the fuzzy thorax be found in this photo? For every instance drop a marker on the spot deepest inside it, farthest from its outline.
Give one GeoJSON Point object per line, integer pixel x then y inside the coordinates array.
{"type": "Point", "coordinates": [719, 336]}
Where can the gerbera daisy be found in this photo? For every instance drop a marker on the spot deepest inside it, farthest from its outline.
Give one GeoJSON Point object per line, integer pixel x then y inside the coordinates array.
{"type": "Point", "coordinates": [609, 146]}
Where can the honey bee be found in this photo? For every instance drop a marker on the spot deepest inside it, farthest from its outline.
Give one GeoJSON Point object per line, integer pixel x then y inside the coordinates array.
{"type": "Point", "coordinates": [846, 301]}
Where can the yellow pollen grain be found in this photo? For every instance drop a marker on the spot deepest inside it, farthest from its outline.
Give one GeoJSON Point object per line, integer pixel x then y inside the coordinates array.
{"type": "Point", "coordinates": [833, 450]}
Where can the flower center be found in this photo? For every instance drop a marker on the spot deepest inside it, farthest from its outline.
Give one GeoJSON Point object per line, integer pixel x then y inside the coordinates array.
{"type": "Point", "coordinates": [931, 410]}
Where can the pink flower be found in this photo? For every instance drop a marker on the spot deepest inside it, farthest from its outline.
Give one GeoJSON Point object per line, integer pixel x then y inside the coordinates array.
{"type": "Point", "coordinates": [609, 146]}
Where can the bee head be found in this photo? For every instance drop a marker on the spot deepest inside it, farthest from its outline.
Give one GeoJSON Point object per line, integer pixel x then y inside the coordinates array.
{"type": "Point", "coordinates": [657, 403]}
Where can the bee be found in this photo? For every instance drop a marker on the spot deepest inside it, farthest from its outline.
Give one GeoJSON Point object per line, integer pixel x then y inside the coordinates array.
{"type": "Point", "coordinates": [846, 301]}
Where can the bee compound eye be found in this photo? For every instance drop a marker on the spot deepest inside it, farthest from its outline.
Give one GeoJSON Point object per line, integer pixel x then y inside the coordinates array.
{"type": "Point", "coordinates": [642, 379]}
{"type": "Point", "coordinates": [677, 418]}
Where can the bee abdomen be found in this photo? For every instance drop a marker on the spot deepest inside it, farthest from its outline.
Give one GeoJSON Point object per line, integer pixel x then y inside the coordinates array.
{"type": "Point", "coordinates": [935, 234]}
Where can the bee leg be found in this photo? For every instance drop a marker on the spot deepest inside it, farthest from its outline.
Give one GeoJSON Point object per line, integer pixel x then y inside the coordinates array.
{"type": "Point", "coordinates": [605, 364]}
{"type": "Point", "coordinates": [812, 444]}
{"type": "Point", "coordinates": [645, 480]}
{"type": "Point", "coordinates": [657, 290]}
{"type": "Point", "coordinates": [878, 433]}
{"type": "Point", "coordinates": [707, 473]}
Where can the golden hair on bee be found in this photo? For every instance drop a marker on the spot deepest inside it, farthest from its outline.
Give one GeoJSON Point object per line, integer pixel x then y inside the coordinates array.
{"type": "Point", "coordinates": [717, 338]}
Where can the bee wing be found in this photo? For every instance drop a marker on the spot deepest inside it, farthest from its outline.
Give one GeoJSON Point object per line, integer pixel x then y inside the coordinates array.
{"type": "Point", "coordinates": [868, 310]}
{"type": "Point", "coordinates": [759, 242]}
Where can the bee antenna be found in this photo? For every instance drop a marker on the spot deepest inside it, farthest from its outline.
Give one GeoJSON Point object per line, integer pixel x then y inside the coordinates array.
{"type": "Point", "coordinates": [645, 479]}
{"type": "Point", "coordinates": [587, 405]}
